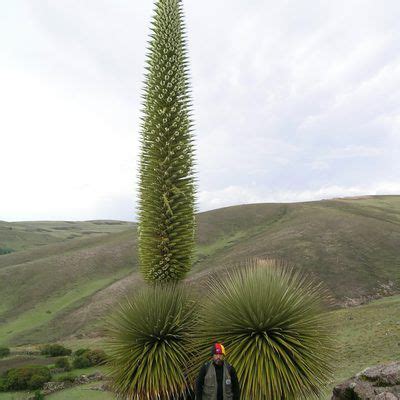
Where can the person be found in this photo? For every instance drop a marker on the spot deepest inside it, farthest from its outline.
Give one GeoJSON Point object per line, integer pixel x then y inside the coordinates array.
{"type": "Point", "coordinates": [217, 380]}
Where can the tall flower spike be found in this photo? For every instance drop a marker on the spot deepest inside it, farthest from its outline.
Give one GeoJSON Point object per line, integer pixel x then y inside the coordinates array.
{"type": "Point", "coordinates": [167, 183]}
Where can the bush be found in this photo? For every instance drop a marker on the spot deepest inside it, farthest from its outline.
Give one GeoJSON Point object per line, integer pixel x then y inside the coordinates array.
{"type": "Point", "coordinates": [25, 378]}
{"type": "Point", "coordinates": [37, 381]}
{"type": "Point", "coordinates": [2, 384]}
{"type": "Point", "coordinates": [63, 363]}
{"type": "Point", "coordinates": [65, 378]}
{"type": "Point", "coordinates": [4, 351]}
{"type": "Point", "coordinates": [6, 250]}
{"type": "Point", "coordinates": [80, 352]}
{"type": "Point", "coordinates": [96, 357]}
{"type": "Point", "coordinates": [39, 395]}
{"type": "Point", "coordinates": [81, 362]}
{"type": "Point", "coordinates": [55, 350]}
{"type": "Point", "coordinates": [88, 358]}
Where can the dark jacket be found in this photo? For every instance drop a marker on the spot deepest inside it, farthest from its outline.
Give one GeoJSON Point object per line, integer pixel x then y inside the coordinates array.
{"type": "Point", "coordinates": [219, 372]}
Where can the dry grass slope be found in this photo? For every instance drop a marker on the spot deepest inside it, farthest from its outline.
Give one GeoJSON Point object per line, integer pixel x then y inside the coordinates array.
{"type": "Point", "coordinates": [64, 288]}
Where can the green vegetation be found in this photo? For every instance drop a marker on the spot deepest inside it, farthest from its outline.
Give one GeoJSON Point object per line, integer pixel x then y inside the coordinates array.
{"type": "Point", "coordinates": [14, 395]}
{"type": "Point", "coordinates": [65, 378]}
{"type": "Point", "coordinates": [150, 342]}
{"type": "Point", "coordinates": [96, 356]}
{"type": "Point", "coordinates": [26, 322]}
{"type": "Point", "coordinates": [351, 245]}
{"type": "Point", "coordinates": [274, 326]}
{"type": "Point", "coordinates": [38, 395]}
{"type": "Point", "coordinates": [166, 194]}
{"type": "Point", "coordinates": [81, 362]}
{"type": "Point", "coordinates": [4, 351]}
{"type": "Point", "coordinates": [24, 378]}
{"type": "Point", "coordinates": [81, 392]}
{"type": "Point", "coordinates": [18, 236]}
{"type": "Point", "coordinates": [367, 335]}
{"type": "Point", "coordinates": [151, 337]}
{"type": "Point", "coordinates": [6, 250]}
{"type": "Point", "coordinates": [85, 358]}
{"type": "Point", "coordinates": [55, 350]}
{"type": "Point", "coordinates": [63, 363]}
{"type": "Point", "coordinates": [80, 352]}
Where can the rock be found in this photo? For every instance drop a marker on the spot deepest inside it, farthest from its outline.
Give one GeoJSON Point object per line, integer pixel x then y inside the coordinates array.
{"type": "Point", "coordinates": [81, 380]}
{"type": "Point", "coordinates": [102, 388]}
{"type": "Point", "coordinates": [381, 382]}
{"type": "Point", "coordinates": [382, 375]}
{"type": "Point", "coordinates": [386, 396]}
{"type": "Point", "coordinates": [51, 387]}
{"type": "Point", "coordinates": [97, 376]}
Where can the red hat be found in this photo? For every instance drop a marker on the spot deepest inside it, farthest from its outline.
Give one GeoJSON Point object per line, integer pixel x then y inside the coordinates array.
{"type": "Point", "coordinates": [218, 348]}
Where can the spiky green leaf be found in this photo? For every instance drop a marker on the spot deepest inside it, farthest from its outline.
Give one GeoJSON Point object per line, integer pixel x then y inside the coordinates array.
{"type": "Point", "coordinates": [274, 326]}
{"type": "Point", "coordinates": [150, 344]}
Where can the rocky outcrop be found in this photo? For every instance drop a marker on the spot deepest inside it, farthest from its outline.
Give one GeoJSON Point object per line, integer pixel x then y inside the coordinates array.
{"type": "Point", "coordinates": [381, 382]}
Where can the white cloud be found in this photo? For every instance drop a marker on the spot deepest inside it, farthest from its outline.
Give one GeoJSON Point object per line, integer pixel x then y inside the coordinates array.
{"type": "Point", "coordinates": [293, 101]}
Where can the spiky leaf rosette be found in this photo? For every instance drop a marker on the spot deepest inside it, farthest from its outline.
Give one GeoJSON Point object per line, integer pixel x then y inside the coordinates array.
{"type": "Point", "coordinates": [275, 330]}
{"type": "Point", "coordinates": [150, 344]}
{"type": "Point", "coordinates": [167, 189]}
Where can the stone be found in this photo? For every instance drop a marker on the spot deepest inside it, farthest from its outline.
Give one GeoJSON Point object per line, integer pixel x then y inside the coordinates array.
{"type": "Point", "coordinates": [380, 382]}
{"type": "Point", "coordinates": [386, 396]}
{"type": "Point", "coordinates": [384, 375]}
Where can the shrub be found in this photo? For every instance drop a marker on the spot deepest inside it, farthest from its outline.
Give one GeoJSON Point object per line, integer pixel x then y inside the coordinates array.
{"type": "Point", "coordinates": [81, 362]}
{"type": "Point", "coordinates": [65, 378]}
{"type": "Point", "coordinates": [63, 363]}
{"type": "Point", "coordinates": [96, 357]}
{"type": "Point", "coordinates": [4, 351]}
{"type": "Point", "coordinates": [38, 395]}
{"type": "Point", "coordinates": [37, 381]}
{"type": "Point", "coordinates": [6, 250]}
{"type": "Point", "coordinates": [3, 387]}
{"type": "Point", "coordinates": [151, 343]}
{"type": "Point", "coordinates": [25, 378]}
{"type": "Point", "coordinates": [275, 329]}
{"type": "Point", "coordinates": [55, 350]}
{"type": "Point", "coordinates": [80, 352]}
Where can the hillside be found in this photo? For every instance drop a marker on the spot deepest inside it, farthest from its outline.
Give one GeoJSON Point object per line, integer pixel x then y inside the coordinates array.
{"type": "Point", "coordinates": [366, 335]}
{"type": "Point", "coordinates": [63, 288]}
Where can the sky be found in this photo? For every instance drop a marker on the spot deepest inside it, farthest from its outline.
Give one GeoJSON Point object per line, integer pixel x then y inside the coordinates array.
{"type": "Point", "coordinates": [293, 101]}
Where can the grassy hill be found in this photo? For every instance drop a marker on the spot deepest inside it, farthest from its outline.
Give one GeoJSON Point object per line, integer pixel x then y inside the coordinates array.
{"type": "Point", "coordinates": [64, 276]}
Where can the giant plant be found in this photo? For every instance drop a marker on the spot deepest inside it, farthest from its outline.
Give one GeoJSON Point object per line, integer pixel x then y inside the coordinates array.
{"type": "Point", "coordinates": [150, 338]}
{"type": "Point", "coordinates": [166, 196]}
{"type": "Point", "coordinates": [150, 343]}
{"type": "Point", "coordinates": [275, 328]}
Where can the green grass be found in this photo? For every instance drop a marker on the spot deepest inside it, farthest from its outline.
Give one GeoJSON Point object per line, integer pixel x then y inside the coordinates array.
{"type": "Point", "coordinates": [46, 292]}
{"type": "Point", "coordinates": [367, 335]}
{"type": "Point", "coordinates": [14, 395]}
{"type": "Point", "coordinates": [82, 392]}
{"type": "Point", "coordinates": [208, 250]}
{"type": "Point", "coordinates": [26, 235]}
{"type": "Point", "coordinates": [43, 312]}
